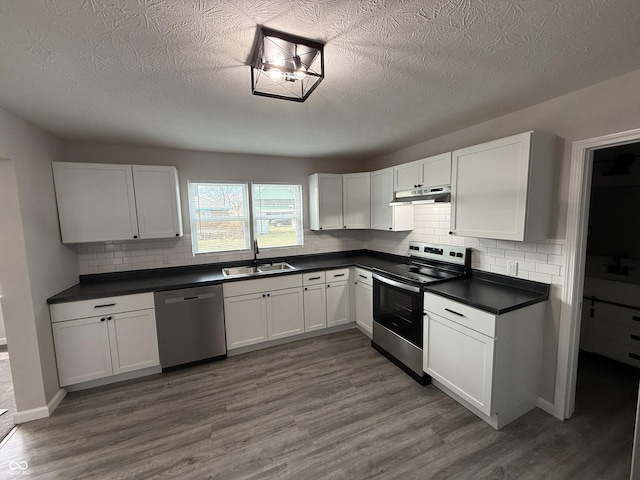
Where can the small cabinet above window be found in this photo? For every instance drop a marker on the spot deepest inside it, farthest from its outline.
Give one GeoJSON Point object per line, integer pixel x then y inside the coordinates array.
{"type": "Point", "coordinates": [102, 202]}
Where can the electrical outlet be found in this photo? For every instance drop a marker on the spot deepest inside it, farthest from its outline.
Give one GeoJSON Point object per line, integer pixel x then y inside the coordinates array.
{"type": "Point", "coordinates": [512, 268]}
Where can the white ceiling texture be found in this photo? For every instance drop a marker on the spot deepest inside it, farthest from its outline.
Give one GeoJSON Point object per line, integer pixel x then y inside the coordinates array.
{"type": "Point", "coordinates": [174, 73]}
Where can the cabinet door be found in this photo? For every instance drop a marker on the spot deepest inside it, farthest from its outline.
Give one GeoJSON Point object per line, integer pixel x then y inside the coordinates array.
{"type": "Point", "coordinates": [325, 201]}
{"type": "Point", "coordinates": [461, 359]}
{"type": "Point", "coordinates": [406, 176]}
{"type": "Point", "coordinates": [245, 319]}
{"type": "Point", "coordinates": [489, 189]}
{"type": "Point", "coordinates": [96, 202]}
{"type": "Point", "coordinates": [436, 171]}
{"type": "Point", "coordinates": [285, 313]}
{"type": "Point", "coordinates": [356, 198]}
{"type": "Point", "coordinates": [315, 307]}
{"type": "Point", "coordinates": [133, 340]}
{"type": "Point", "coordinates": [82, 350]}
{"type": "Point", "coordinates": [364, 306]}
{"type": "Point", "coordinates": [337, 303]}
{"type": "Point", "coordinates": [383, 216]}
{"type": "Point", "coordinates": [157, 201]}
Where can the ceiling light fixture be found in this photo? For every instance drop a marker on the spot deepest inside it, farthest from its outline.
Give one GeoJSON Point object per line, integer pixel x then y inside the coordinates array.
{"type": "Point", "coordinates": [285, 66]}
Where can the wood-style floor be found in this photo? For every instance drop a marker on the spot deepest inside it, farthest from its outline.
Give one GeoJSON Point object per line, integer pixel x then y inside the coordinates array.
{"type": "Point", "coordinates": [325, 408]}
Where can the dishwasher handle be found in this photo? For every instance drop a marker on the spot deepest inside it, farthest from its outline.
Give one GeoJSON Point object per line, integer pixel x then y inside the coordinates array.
{"type": "Point", "coordinates": [180, 299]}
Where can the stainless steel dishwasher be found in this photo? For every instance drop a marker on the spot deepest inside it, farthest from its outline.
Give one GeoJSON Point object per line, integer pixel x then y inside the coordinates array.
{"type": "Point", "coordinates": [190, 325]}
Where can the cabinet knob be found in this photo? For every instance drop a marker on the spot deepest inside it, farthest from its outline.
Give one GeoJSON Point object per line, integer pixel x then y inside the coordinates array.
{"type": "Point", "coordinates": [306, 288]}
{"type": "Point", "coordinates": [102, 319]}
{"type": "Point", "coordinates": [328, 286]}
{"type": "Point", "coordinates": [390, 228]}
{"type": "Point", "coordinates": [268, 294]}
{"type": "Point", "coordinates": [135, 236]}
{"type": "Point", "coordinates": [344, 226]}
{"type": "Point", "coordinates": [109, 318]}
{"type": "Point", "coordinates": [177, 234]}
{"type": "Point", "coordinates": [264, 295]}
{"type": "Point", "coordinates": [450, 232]}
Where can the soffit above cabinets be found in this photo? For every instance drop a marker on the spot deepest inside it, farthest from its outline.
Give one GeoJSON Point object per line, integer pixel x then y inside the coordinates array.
{"type": "Point", "coordinates": [175, 74]}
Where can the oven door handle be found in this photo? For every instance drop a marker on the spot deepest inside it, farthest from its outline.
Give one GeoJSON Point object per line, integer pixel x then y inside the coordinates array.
{"type": "Point", "coordinates": [394, 283]}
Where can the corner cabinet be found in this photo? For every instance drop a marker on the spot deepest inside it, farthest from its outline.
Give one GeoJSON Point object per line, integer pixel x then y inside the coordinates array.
{"type": "Point", "coordinates": [363, 300]}
{"type": "Point", "coordinates": [503, 189]}
{"type": "Point", "coordinates": [383, 216]}
{"type": "Point", "coordinates": [488, 363]}
{"type": "Point", "coordinates": [100, 338]}
{"type": "Point", "coordinates": [104, 202]}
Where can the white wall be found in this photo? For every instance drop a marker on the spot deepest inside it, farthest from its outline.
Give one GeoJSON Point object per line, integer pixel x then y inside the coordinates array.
{"type": "Point", "coordinates": [33, 263]}
{"type": "Point", "coordinates": [608, 107]}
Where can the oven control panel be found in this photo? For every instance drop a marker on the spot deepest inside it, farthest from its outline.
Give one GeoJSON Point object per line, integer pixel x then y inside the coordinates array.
{"type": "Point", "coordinates": [444, 253]}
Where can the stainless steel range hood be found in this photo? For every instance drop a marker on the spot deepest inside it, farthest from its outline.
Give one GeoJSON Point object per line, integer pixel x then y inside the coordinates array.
{"type": "Point", "coordinates": [422, 195]}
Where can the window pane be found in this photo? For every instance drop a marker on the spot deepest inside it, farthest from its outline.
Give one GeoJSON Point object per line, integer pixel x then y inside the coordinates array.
{"type": "Point", "coordinates": [219, 217]}
{"type": "Point", "coordinates": [277, 215]}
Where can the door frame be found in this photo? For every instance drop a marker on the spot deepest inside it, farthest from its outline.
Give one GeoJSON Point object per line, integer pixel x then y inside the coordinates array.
{"type": "Point", "coordinates": [575, 258]}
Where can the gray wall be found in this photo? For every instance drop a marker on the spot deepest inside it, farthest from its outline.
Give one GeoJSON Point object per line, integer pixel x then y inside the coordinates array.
{"type": "Point", "coordinates": [33, 263]}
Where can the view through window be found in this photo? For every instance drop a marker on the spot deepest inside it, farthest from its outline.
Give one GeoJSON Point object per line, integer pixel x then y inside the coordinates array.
{"type": "Point", "coordinates": [220, 216]}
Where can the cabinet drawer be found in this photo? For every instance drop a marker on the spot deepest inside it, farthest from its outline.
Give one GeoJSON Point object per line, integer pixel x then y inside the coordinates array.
{"type": "Point", "coordinates": [620, 351]}
{"type": "Point", "coordinates": [622, 316]}
{"type": "Point", "coordinates": [337, 275]}
{"type": "Point", "coordinates": [364, 276]}
{"type": "Point", "coordinates": [313, 278]}
{"type": "Point", "coordinates": [246, 287]}
{"type": "Point", "coordinates": [470, 317]}
{"type": "Point", "coordinates": [100, 306]}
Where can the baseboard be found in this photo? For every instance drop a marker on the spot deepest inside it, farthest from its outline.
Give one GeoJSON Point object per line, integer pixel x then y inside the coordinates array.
{"type": "Point", "coordinates": [3, 341]}
{"type": "Point", "coordinates": [546, 406]}
{"type": "Point", "coordinates": [40, 412]}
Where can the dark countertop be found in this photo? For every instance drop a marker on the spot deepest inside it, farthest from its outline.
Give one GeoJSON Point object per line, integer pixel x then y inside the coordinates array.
{"type": "Point", "coordinates": [127, 283]}
{"type": "Point", "coordinates": [492, 293]}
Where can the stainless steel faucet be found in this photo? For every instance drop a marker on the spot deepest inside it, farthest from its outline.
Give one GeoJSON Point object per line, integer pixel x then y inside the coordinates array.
{"type": "Point", "coordinates": [256, 251]}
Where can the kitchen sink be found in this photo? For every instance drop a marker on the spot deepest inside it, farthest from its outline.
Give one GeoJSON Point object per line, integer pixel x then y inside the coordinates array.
{"type": "Point", "coordinates": [275, 267]}
{"type": "Point", "coordinates": [245, 271]}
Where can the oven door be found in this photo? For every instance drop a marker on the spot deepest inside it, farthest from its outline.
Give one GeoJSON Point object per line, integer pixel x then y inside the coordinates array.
{"type": "Point", "coordinates": [398, 307]}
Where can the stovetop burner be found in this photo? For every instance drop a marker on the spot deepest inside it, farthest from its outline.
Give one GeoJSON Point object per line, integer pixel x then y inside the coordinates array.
{"type": "Point", "coordinates": [430, 263]}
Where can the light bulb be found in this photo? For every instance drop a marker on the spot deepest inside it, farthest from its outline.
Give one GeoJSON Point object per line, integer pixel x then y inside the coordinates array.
{"type": "Point", "coordinates": [275, 74]}
{"type": "Point", "coordinates": [299, 74]}
{"type": "Point", "coordinates": [277, 59]}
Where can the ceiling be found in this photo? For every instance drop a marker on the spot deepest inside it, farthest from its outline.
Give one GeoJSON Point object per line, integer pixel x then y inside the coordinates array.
{"type": "Point", "coordinates": [174, 73]}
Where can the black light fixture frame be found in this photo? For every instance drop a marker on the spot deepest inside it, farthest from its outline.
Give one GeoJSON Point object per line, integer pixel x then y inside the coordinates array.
{"type": "Point", "coordinates": [260, 65]}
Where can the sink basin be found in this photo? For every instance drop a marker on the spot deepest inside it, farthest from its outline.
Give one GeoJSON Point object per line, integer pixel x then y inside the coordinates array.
{"type": "Point", "coordinates": [275, 267]}
{"type": "Point", "coordinates": [234, 271]}
{"type": "Point", "coordinates": [242, 271]}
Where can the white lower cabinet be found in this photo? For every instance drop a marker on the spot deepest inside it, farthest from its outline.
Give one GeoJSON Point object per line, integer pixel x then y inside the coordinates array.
{"type": "Point", "coordinates": [489, 363]}
{"type": "Point", "coordinates": [363, 300]}
{"type": "Point", "coordinates": [337, 293]}
{"type": "Point", "coordinates": [111, 343]}
{"type": "Point", "coordinates": [315, 301]}
{"type": "Point", "coordinates": [263, 309]}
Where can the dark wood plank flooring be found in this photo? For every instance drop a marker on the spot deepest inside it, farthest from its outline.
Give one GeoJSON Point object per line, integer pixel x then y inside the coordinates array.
{"type": "Point", "coordinates": [324, 408]}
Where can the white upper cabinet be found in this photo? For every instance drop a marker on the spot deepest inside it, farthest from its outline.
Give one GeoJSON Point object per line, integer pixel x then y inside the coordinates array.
{"type": "Point", "coordinates": [103, 202]}
{"type": "Point", "coordinates": [432, 171]}
{"type": "Point", "coordinates": [96, 202]}
{"type": "Point", "coordinates": [157, 201]}
{"type": "Point", "coordinates": [325, 201]}
{"type": "Point", "coordinates": [502, 189]}
{"type": "Point", "coordinates": [356, 198]}
{"type": "Point", "coordinates": [383, 216]}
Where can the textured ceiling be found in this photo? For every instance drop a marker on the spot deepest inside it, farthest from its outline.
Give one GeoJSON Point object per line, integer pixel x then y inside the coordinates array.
{"type": "Point", "coordinates": [174, 73]}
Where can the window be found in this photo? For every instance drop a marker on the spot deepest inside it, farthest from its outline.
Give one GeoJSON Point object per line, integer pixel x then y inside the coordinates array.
{"type": "Point", "coordinates": [277, 214]}
{"type": "Point", "coordinates": [220, 216]}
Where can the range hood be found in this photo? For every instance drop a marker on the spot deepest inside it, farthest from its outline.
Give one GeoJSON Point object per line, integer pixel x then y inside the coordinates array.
{"type": "Point", "coordinates": [421, 195]}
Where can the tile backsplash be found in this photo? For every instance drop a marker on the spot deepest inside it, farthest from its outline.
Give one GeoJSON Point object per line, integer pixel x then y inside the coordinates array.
{"type": "Point", "coordinates": [541, 261]}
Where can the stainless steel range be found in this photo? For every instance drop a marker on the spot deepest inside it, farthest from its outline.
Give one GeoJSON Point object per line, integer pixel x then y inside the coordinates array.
{"type": "Point", "coordinates": [398, 310]}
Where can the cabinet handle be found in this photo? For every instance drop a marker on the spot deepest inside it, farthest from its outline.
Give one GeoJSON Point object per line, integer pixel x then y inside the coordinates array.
{"type": "Point", "coordinates": [314, 278]}
{"type": "Point", "coordinates": [454, 312]}
{"type": "Point", "coordinates": [634, 356]}
{"type": "Point", "coordinates": [635, 318]}
{"type": "Point", "coordinates": [635, 337]}
{"type": "Point", "coordinates": [390, 228]}
{"type": "Point", "coordinates": [191, 298]}
{"type": "Point", "coordinates": [362, 276]}
{"type": "Point", "coordinates": [105, 305]}
{"type": "Point", "coordinates": [338, 275]}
